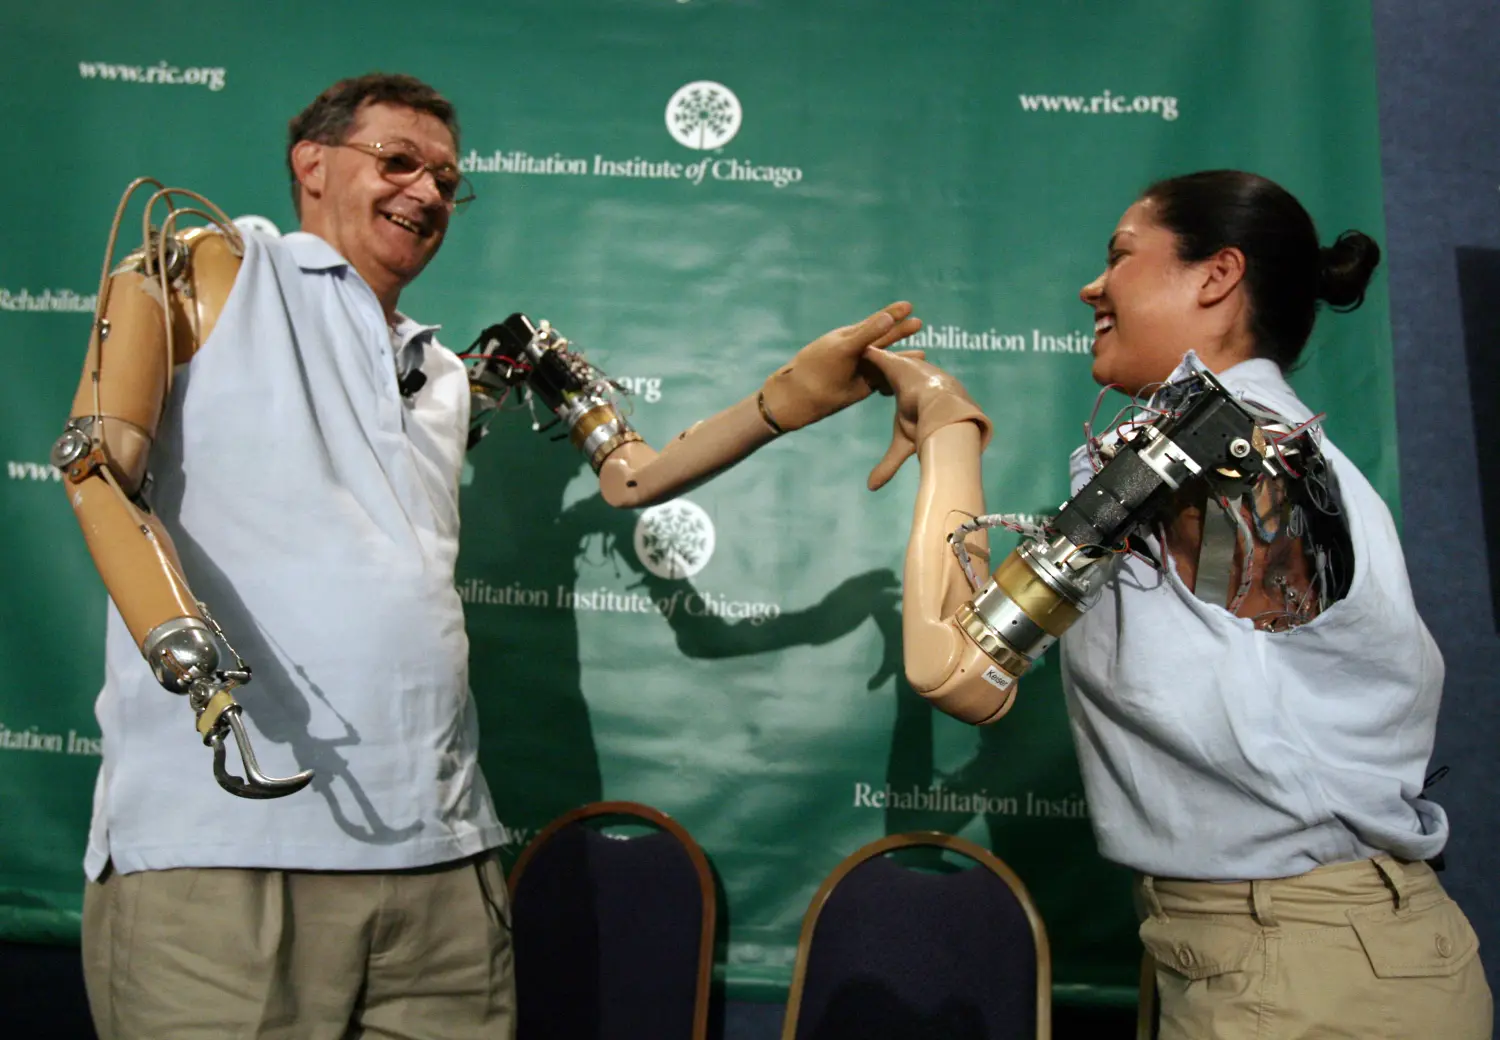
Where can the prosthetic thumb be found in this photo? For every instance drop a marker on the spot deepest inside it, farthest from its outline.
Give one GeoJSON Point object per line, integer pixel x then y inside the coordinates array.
{"type": "Point", "coordinates": [901, 449]}
{"type": "Point", "coordinates": [937, 412]}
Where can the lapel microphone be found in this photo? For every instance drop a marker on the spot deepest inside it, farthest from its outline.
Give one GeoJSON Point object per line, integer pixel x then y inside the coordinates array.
{"type": "Point", "coordinates": [410, 383]}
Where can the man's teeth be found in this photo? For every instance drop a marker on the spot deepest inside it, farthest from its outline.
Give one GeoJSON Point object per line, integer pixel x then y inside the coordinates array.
{"type": "Point", "coordinates": [1103, 324]}
{"type": "Point", "coordinates": [402, 222]}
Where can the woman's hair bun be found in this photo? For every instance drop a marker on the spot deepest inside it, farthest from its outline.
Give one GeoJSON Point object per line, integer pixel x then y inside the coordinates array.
{"type": "Point", "coordinates": [1345, 269]}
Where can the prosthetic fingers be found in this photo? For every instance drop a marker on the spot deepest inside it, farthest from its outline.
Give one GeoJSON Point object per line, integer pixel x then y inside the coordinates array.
{"type": "Point", "coordinates": [154, 310]}
{"type": "Point", "coordinates": [827, 375]}
{"type": "Point", "coordinates": [968, 641]}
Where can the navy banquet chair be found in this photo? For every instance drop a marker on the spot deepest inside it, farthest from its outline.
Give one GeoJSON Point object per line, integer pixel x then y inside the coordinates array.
{"type": "Point", "coordinates": [613, 934]}
{"type": "Point", "coordinates": [892, 951]}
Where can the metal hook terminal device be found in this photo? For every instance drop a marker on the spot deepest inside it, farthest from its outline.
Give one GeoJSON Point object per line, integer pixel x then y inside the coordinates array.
{"type": "Point", "coordinates": [184, 655]}
{"type": "Point", "coordinates": [255, 784]}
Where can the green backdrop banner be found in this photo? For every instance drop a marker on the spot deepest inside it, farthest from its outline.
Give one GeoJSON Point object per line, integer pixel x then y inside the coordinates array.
{"type": "Point", "coordinates": [690, 190]}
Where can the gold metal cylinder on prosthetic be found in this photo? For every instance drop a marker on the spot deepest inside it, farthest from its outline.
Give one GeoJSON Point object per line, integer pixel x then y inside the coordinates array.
{"type": "Point", "coordinates": [1039, 601]}
{"type": "Point", "coordinates": [599, 431]}
{"type": "Point", "coordinates": [1017, 616]}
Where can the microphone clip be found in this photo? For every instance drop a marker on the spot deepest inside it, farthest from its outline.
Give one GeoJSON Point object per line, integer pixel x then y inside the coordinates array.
{"type": "Point", "coordinates": [410, 383]}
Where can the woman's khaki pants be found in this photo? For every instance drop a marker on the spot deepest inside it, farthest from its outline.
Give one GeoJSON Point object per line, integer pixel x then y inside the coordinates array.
{"type": "Point", "coordinates": [1373, 950]}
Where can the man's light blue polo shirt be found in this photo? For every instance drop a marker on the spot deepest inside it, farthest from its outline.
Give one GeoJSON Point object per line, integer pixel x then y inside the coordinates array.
{"type": "Point", "coordinates": [316, 514]}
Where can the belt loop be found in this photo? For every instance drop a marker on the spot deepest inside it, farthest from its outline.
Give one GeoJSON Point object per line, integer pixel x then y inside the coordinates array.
{"type": "Point", "coordinates": [1395, 878]}
{"type": "Point", "coordinates": [1260, 904]}
{"type": "Point", "coordinates": [1148, 894]}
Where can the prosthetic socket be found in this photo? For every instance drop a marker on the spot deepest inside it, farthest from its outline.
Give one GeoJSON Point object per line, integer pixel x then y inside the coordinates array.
{"type": "Point", "coordinates": [155, 309]}
{"type": "Point", "coordinates": [1048, 582]}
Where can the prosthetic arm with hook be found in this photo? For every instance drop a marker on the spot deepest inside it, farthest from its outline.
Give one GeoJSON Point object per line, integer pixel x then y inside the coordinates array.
{"type": "Point", "coordinates": [154, 311]}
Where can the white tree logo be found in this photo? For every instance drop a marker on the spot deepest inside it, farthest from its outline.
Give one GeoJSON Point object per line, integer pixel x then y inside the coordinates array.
{"type": "Point", "coordinates": [675, 539]}
{"type": "Point", "coordinates": [704, 115]}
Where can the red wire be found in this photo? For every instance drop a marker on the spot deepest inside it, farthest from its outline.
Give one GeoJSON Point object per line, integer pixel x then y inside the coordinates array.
{"type": "Point", "coordinates": [1289, 436]}
{"type": "Point", "coordinates": [499, 357]}
{"type": "Point", "coordinates": [1276, 444]}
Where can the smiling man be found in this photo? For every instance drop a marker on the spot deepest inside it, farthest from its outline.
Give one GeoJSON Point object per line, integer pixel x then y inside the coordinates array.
{"type": "Point", "coordinates": [374, 171]}
{"type": "Point", "coordinates": [311, 486]}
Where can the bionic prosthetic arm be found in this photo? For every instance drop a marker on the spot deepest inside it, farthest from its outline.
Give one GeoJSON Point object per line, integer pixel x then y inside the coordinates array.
{"type": "Point", "coordinates": [155, 309]}
{"type": "Point", "coordinates": [825, 376]}
{"type": "Point", "coordinates": [966, 657]}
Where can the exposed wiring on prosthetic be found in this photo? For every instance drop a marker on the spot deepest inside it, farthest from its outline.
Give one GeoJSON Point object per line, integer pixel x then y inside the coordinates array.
{"type": "Point", "coordinates": [1010, 521]}
{"type": "Point", "coordinates": [1293, 499]}
{"type": "Point", "coordinates": [545, 365]}
{"type": "Point", "coordinates": [1279, 497]}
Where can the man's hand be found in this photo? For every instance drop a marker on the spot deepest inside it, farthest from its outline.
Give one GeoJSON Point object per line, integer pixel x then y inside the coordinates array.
{"type": "Point", "coordinates": [926, 398]}
{"type": "Point", "coordinates": [832, 372]}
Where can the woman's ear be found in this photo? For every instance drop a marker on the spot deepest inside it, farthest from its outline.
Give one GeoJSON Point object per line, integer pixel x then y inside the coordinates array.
{"type": "Point", "coordinates": [1221, 275]}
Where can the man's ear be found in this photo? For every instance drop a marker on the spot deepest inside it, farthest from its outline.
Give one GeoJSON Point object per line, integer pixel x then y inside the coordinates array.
{"type": "Point", "coordinates": [309, 164]}
{"type": "Point", "coordinates": [1222, 274]}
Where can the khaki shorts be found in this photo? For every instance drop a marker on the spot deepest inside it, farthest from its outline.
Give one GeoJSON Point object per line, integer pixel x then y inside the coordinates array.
{"type": "Point", "coordinates": [1373, 949]}
{"type": "Point", "coordinates": [195, 954]}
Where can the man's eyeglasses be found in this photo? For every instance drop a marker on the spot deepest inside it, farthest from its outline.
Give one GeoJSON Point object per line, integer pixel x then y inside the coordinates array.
{"type": "Point", "coordinates": [399, 163]}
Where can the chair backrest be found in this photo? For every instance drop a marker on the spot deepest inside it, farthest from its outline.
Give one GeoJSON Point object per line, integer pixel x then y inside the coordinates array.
{"type": "Point", "coordinates": [888, 951]}
{"type": "Point", "coordinates": [613, 935]}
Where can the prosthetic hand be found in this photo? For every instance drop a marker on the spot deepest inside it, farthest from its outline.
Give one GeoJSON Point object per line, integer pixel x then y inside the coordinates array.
{"type": "Point", "coordinates": [824, 377]}
{"type": "Point", "coordinates": [967, 642]}
{"type": "Point", "coordinates": [938, 421]}
{"type": "Point", "coordinates": [155, 309]}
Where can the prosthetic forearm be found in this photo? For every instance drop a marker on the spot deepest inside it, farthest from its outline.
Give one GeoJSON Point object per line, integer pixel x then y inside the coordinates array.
{"type": "Point", "coordinates": [938, 421]}
{"type": "Point", "coordinates": [824, 377]}
{"type": "Point", "coordinates": [942, 663]}
{"type": "Point", "coordinates": [154, 310]}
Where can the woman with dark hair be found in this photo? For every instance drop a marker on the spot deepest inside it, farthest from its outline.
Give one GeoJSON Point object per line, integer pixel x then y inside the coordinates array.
{"type": "Point", "coordinates": [1253, 723]}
